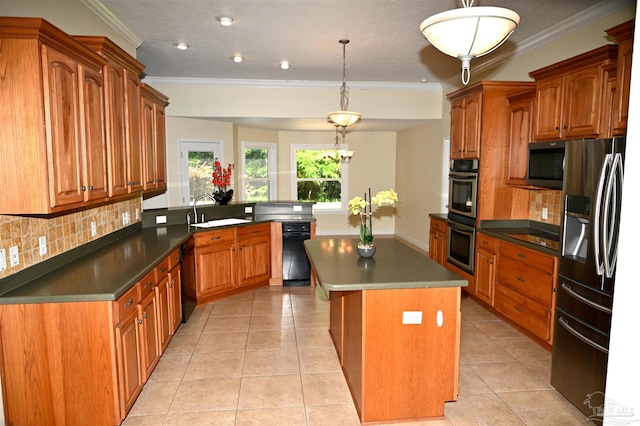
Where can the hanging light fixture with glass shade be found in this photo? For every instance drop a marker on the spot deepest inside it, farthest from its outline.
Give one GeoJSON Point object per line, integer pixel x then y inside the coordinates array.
{"type": "Point", "coordinates": [469, 32]}
{"type": "Point", "coordinates": [338, 153]}
{"type": "Point", "coordinates": [344, 118]}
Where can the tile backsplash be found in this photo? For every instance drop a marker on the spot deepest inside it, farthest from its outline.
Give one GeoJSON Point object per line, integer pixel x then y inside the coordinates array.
{"type": "Point", "coordinates": [552, 200]}
{"type": "Point", "coordinates": [62, 233]}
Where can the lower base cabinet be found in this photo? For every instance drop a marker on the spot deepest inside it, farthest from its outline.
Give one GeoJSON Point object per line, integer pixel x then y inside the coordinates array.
{"type": "Point", "coordinates": [83, 363]}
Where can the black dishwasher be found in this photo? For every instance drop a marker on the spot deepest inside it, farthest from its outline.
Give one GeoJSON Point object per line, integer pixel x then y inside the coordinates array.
{"type": "Point", "coordinates": [296, 270]}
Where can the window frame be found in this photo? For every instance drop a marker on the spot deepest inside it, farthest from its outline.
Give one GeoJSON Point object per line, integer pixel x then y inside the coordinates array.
{"type": "Point", "coordinates": [344, 193]}
{"type": "Point", "coordinates": [272, 161]}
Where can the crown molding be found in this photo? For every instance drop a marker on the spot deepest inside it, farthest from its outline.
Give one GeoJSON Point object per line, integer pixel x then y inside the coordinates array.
{"type": "Point", "coordinates": [114, 21]}
{"type": "Point", "coordinates": [599, 11]}
{"type": "Point", "coordinates": [279, 84]}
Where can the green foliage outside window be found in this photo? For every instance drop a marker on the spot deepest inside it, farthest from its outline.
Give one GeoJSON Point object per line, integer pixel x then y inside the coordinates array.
{"type": "Point", "coordinates": [200, 173]}
{"type": "Point", "coordinates": [257, 172]}
{"type": "Point", "coordinates": [319, 177]}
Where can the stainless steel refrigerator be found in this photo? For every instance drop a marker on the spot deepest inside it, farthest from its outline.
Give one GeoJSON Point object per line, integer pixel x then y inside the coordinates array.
{"type": "Point", "coordinates": [591, 193]}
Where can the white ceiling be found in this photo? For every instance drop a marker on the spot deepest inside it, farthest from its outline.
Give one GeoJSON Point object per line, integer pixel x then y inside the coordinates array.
{"type": "Point", "coordinates": [386, 44]}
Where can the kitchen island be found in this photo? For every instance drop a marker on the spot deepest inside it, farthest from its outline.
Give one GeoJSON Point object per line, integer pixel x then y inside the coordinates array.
{"type": "Point", "coordinates": [395, 322]}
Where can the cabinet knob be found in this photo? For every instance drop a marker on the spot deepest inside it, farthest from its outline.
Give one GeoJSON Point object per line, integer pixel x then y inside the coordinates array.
{"type": "Point", "coordinates": [519, 309]}
{"type": "Point", "coordinates": [140, 321]}
{"type": "Point", "coordinates": [147, 285]}
{"type": "Point", "coordinates": [129, 303]}
{"type": "Point", "coordinates": [565, 127]}
{"type": "Point", "coordinates": [144, 315]}
{"type": "Point", "coordinates": [90, 187]}
{"type": "Point", "coordinates": [522, 280]}
{"type": "Point", "coordinates": [522, 255]}
{"type": "Point", "coordinates": [84, 188]}
{"type": "Point", "coordinates": [557, 128]}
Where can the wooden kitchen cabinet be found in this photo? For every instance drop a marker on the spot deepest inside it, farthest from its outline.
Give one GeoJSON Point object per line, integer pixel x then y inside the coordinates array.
{"type": "Point", "coordinates": [486, 264]}
{"type": "Point", "coordinates": [254, 258]}
{"type": "Point", "coordinates": [54, 146]}
{"type": "Point", "coordinates": [154, 140]}
{"type": "Point", "coordinates": [623, 34]}
{"type": "Point", "coordinates": [122, 114]}
{"type": "Point", "coordinates": [521, 106]}
{"type": "Point", "coordinates": [466, 126]}
{"type": "Point", "coordinates": [569, 96]}
{"type": "Point", "coordinates": [524, 290]}
{"type": "Point", "coordinates": [438, 240]}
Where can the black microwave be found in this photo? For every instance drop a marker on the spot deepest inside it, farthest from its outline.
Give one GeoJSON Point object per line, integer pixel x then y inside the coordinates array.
{"type": "Point", "coordinates": [546, 164]}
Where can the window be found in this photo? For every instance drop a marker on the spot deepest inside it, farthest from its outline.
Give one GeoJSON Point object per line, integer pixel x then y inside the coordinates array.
{"type": "Point", "coordinates": [319, 177]}
{"type": "Point", "coordinates": [258, 176]}
{"type": "Point", "coordinates": [196, 167]}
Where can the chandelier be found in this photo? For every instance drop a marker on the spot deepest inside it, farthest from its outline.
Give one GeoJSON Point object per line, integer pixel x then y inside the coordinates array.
{"type": "Point", "coordinates": [344, 118]}
{"type": "Point", "coordinates": [338, 153]}
{"type": "Point", "coordinates": [469, 32]}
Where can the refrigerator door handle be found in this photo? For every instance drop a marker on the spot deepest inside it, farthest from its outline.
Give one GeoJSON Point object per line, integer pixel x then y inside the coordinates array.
{"type": "Point", "coordinates": [565, 324]}
{"type": "Point", "coordinates": [566, 287]}
{"type": "Point", "coordinates": [609, 227]}
{"type": "Point", "coordinates": [597, 214]}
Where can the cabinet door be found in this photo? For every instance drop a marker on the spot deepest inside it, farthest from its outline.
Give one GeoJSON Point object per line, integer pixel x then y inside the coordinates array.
{"type": "Point", "coordinates": [548, 109]}
{"type": "Point", "coordinates": [520, 136]}
{"type": "Point", "coordinates": [165, 320]}
{"type": "Point", "coordinates": [116, 130]}
{"type": "Point", "coordinates": [62, 121]}
{"type": "Point", "coordinates": [215, 268]}
{"type": "Point", "coordinates": [437, 247]}
{"type": "Point", "coordinates": [485, 275]}
{"type": "Point", "coordinates": [472, 125]}
{"type": "Point", "coordinates": [175, 298]}
{"type": "Point", "coordinates": [161, 147]}
{"type": "Point", "coordinates": [148, 311]}
{"type": "Point", "coordinates": [129, 360]}
{"type": "Point", "coordinates": [148, 143]}
{"type": "Point", "coordinates": [457, 129]}
{"type": "Point", "coordinates": [255, 260]}
{"type": "Point", "coordinates": [134, 137]}
{"type": "Point", "coordinates": [94, 184]}
{"type": "Point", "coordinates": [582, 103]}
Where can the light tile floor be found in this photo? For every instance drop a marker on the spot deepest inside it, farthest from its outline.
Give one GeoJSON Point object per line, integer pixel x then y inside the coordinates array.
{"type": "Point", "coordinates": [265, 358]}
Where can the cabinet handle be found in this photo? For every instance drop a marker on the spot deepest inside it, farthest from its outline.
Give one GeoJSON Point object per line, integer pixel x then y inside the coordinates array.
{"type": "Point", "coordinates": [149, 284]}
{"type": "Point", "coordinates": [215, 238]}
{"type": "Point", "coordinates": [522, 280]}
{"type": "Point", "coordinates": [255, 232]}
{"type": "Point", "coordinates": [522, 255]}
{"type": "Point", "coordinates": [519, 309]}
{"type": "Point", "coordinates": [164, 269]}
{"type": "Point", "coordinates": [171, 284]}
{"type": "Point", "coordinates": [485, 242]}
{"type": "Point", "coordinates": [129, 303]}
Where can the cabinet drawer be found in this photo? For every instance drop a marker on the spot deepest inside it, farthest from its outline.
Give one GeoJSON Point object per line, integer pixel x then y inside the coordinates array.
{"type": "Point", "coordinates": [147, 283]}
{"type": "Point", "coordinates": [126, 303]}
{"type": "Point", "coordinates": [527, 313]}
{"type": "Point", "coordinates": [529, 282]}
{"type": "Point", "coordinates": [486, 242]}
{"type": "Point", "coordinates": [161, 270]}
{"type": "Point", "coordinates": [534, 258]}
{"type": "Point", "coordinates": [438, 225]}
{"type": "Point", "coordinates": [212, 237]}
{"type": "Point", "coordinates": [174, 258]}
{"type": "Point", "coordinates": [254, 231]}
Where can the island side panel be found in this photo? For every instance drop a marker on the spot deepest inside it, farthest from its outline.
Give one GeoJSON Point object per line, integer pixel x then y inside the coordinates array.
{"type": "Point", "coordinates": [353, 340]}
{"type": "Point", "coordinates": [410, 370]}
{"type": "Point", "coordinates": [336, 321]}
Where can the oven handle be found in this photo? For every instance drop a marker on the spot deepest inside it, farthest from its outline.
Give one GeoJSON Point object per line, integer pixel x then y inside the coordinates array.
{"type": "Point", "coordinates": [469, 230]}
{"type": "Point", "coordinates": [463, 176]}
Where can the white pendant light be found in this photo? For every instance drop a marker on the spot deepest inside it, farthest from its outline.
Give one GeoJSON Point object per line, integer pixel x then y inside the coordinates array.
{"type": "Point", "coordinates": [469, 32]}
{"type": "Point", "coordinates": [339, 154]}
{"type": "Point", "coordinates": [344, 118]}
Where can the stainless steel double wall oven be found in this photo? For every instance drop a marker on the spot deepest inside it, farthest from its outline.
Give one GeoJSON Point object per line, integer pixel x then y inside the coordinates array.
{"type": "Point", "coordinates": [463, 198]}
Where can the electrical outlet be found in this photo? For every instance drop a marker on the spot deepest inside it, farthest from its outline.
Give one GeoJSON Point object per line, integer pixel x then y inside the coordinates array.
{"type": "Point", "coordinates": [297, 208]}
{"type": "Point", "coordinates": [248, 209]}
{"type": "Point", "coordinates": [545, 213]}
{"type": "Point", "coordinates": [161, 219]}
{"type": "Point", "coordinates": [3, 259]}
{"type": "Point", "coordinates": [126, 218]}
{"type": "Point", "coordinates": [14, 257]}
{"type": "Point", "coordinates": [94, 229]}
{"type": "Point", "coordinates": [412, 317]}
{"type": "Point", "coordinates": [42, 241]}
{"type": "Point", "coordinates": [137, 214]}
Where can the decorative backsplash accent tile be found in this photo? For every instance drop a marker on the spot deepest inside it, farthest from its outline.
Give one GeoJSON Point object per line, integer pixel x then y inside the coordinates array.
{"type": "Point", "coordinates": [552, 200]}
{"type": "Point", "coordinates": [63, 233]}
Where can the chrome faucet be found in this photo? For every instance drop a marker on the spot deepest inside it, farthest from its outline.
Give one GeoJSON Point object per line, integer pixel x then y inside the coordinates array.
{"type": "Point", "coordinates": [195, 203]}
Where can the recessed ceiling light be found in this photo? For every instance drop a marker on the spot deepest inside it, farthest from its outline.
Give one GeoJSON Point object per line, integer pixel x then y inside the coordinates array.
{"type": "Point", "coordinates": [284, 65]}
{"type": "Point", "coordinates": [181, 45]}
{"type": "Point", "coordinates": [225, 21]}
{"type": "Point", "coordinates": [237, 58]}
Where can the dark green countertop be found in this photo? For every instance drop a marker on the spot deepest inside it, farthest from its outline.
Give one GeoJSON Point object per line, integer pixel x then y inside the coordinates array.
{"type": "Point", "coordinates": [104, 274]}
{"type": "Point", "coordinates": [395, 265]}
{"type": "Point", "coordinates": [504, 229]}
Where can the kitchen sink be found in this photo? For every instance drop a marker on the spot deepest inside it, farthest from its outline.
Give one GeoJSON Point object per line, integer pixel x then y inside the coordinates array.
{"type": "Point", "coordinates": [220, 222]}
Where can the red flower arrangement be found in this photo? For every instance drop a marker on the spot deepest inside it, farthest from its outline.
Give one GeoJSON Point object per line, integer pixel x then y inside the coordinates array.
{"type": "Point", "coordinates": [221, 177]}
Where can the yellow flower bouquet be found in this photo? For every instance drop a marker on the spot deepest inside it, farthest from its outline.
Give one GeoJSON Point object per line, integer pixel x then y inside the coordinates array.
{"type": "Point", "coordinates": [364, 208]}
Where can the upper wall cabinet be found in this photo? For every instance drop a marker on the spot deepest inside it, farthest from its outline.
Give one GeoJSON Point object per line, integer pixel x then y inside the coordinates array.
{"type": "Point", "coordinates": [54, 153]}
{"type": "Point", "coordinates": [521, 106]}
{"type": "Point", "coordinates": [123, 115]}
{"type": "Point", "coordinates": [623, 34]}
{"type": "Point", "coordinates": [466, 126]}
{"type": "Point", "coordinates": [154, 140]}
{"type": "Point", "coordinates": [569, 96]}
